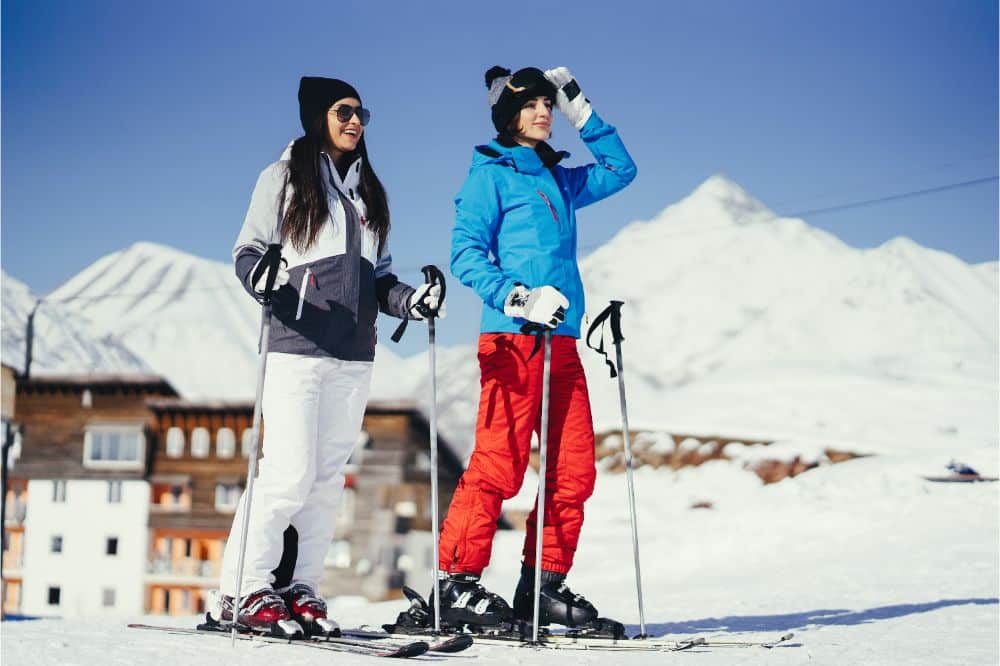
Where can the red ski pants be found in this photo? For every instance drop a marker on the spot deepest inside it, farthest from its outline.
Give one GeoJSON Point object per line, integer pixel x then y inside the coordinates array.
{"type": "Point", "coordinates": [509, 412]}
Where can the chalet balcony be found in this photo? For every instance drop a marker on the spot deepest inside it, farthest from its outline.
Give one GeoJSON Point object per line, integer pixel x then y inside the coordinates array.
{"type": "Point", "coordinates": [15, 513]}
{"type": "Point", "coordinates": [187, 568]}
{"type": "Point", "coordinates": [13, 561]}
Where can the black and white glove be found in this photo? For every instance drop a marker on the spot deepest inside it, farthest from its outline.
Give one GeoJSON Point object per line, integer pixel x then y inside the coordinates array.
{"type": "Point", "coordinates": [569, 99]}
{"type": "Point", "coordinates": [259, 276]}
{"type": "Point", "coordinates": [427, 298]}
{"type": "Point", "coordinates": [544, 305]}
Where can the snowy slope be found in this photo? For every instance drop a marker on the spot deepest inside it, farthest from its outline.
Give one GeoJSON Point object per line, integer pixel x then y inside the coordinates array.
{"type": "Point", "coordinates": [864, 561]}
{"type": "Point", "coordinates": [189, 319]}
{"type": "Point", "coordinates": [741, 322]}
{"type": "Point", "coordinates": [64, 342]}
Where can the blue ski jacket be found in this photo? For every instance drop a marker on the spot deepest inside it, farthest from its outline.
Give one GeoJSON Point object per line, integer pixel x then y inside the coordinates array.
{"type": "Point", "coordinates": [516, 222]}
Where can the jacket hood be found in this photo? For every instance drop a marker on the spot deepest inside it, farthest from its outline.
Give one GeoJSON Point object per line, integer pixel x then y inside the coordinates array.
{"type": "Point", "coordinates": [520, 158]}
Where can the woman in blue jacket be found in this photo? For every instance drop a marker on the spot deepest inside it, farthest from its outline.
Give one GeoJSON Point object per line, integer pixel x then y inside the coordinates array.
{"type": "Point", "coordinates": [514, 243]}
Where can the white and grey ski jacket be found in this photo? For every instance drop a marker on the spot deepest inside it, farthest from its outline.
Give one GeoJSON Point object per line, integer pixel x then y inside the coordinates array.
{"type": "Point", "coordinates": [338, 285]}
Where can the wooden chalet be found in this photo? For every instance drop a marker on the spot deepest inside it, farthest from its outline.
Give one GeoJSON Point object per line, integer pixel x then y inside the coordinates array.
{"type": "Point", "coordinates": [199, 470]}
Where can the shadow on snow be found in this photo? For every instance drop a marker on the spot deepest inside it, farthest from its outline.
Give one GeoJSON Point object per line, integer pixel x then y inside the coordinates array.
{"type": "Point", "coordinates": [840, 616]}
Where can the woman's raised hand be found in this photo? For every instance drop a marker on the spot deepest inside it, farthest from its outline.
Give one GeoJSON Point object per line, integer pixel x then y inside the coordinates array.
{"type": "Point", "coordinates": [569, 99]}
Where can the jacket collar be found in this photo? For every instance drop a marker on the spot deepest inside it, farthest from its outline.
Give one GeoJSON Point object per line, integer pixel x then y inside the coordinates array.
{"type": "Point", "coordinates": [347, 185]}
{"type": "Point", "coordinates": [520, 158]}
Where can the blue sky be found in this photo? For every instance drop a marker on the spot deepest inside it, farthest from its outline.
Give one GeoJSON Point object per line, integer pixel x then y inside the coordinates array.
{"type": "Point", "coordinates": [126, 121]}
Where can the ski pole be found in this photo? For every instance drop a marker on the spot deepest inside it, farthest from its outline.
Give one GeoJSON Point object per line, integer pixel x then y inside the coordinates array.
{"type": "Point", "coordinates": [269, 262]}
{"type": "Point", "coordinates": [613, 314]}
{"type": "Point", "coordinates": [543, 441]}
{"type": "Point", "coordinates": [433, 275]}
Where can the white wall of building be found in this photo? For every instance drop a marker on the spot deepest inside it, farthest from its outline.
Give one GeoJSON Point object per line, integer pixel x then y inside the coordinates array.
{"type": "Point", "coordinates": [83, 570]}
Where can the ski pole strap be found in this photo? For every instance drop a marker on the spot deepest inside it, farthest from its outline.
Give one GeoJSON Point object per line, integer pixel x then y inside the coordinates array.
{"type": "Point", "coordinates": [537, 330]}
{"type": "Point", "coordinates": [613, 315]}
{"type": "Point", "coordinates": [432, 276]}
{"type": "Point", "coordinates": [268, 264]}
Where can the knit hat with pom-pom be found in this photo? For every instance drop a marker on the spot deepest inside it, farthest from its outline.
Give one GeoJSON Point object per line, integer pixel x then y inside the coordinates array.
{"type": "Point", "coordinates": [508, 93]}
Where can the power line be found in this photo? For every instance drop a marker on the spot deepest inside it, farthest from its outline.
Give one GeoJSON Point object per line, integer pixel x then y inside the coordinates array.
{"type": "Point", "coordinates": [867, 184]}
{"type": "Point", "coordinates": [831, 209]}
{"type": "Point", "coordinates": [895, 197]}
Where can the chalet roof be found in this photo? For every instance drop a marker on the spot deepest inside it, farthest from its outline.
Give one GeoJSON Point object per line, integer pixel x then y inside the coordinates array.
{"type": "Point", "coordinates": [81, 381]}
{"type": "Point", "coordinates": [188, 405]}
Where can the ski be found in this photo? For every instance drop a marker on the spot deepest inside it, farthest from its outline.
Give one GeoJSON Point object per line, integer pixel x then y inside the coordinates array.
{"type": "Point", "coordinates": [335, 644]}
{"type": "Point", "coordinates": [569, 642]}
{"type": "Point", "coordinates": [444, 644]}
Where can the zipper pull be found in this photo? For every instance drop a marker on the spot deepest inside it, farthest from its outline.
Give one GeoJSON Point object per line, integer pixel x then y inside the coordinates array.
{"type": "Point", "coordinates": [302, 292]}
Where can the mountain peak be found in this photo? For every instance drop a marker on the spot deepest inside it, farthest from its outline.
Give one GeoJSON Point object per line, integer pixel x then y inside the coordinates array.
{"type": "Point", "coordinates": [717, 201]}
{"type": "Point", "coordinates": [721, 192]}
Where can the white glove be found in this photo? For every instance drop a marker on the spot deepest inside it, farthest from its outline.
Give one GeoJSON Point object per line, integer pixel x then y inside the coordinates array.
{"type": "Point", "coordinates": [569, 99]}
{"type": "Point", "coordinates": [428, 295]}
{"type": "Point", "coordinates": [544, 305]}
{"type": "Point", "coordinates": [279, 280]}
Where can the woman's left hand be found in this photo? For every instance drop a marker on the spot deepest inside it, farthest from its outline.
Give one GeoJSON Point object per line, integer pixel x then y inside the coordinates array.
{"type": "Point", "coordinates": [569, 98]}
{"type": "Point", "coordinates": [425, 299]}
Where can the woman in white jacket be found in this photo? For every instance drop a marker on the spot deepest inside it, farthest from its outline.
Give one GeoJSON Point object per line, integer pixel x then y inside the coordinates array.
{"type": "Point", "coordinates": [326, 207]}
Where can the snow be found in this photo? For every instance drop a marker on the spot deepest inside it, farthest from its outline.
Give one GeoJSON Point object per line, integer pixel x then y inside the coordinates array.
{"type": "Point", "coordinates": [740, 325]}
{"type": "Point", "coordinates": [865, 561]}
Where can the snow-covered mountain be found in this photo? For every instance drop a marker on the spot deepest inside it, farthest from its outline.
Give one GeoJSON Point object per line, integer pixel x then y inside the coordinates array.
{"type": "Point", "coordinates": [63, 341]}
{"type": "Point", "coordinates": [736, 319]}
{"type": "Point", "coordinates": [737, 322]}
{"type": "Point", "coordinates": [741, 323]}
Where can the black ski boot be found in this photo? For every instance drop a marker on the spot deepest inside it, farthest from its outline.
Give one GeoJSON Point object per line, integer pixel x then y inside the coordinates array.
{"type": "Point", "coordinates": [464, 602]}
{"type": "Point", "coordinates": [560, 605]}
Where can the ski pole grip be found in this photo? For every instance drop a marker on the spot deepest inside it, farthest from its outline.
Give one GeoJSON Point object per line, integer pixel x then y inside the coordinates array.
{"type": "Point", "coordinates": [269, 264]}
{"type": "Point", "coordinates": [616, 321]}
{"type": "Point", "coordinates": [433, 275]}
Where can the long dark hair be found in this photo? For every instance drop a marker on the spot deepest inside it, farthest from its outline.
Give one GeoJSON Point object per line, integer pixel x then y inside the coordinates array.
{"type": "Point", "coordinates": [307, 209]}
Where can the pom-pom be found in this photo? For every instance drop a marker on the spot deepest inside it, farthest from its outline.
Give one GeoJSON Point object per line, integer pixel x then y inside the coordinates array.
{"type": "Point", "coordinates": [495, 72]}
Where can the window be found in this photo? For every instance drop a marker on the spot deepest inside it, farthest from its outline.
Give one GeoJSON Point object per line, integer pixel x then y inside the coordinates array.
{"type": "Point", "coordinates": [114, 446]}
{"type": "Point", "coordinates": [227, 496]}
{"type": "Point", "coordinates": [58, 491]}
{"type": "Point", "coordinates": [246, 443]}
{"type": "Point", "coordinates": [225, 443]}
{"type": "Point", "coordinates": [200, 440]}
{"type": "Point", "coordinates": [111, 548]}
{"type": "Point", "coordinates": [87, 399]}
{"type": "Point", "coordinates": [114, 492]}
{"type": "Point", "coordinates": [175, 442]}
{"type": "Point", "coordinates": [54, 596]}
{"type": "Point", "coordinates": [108, 597]}
{"type": "Point", "coordinates": [166, 601]}
{"type": "Point", "coordinates": [57, 544]}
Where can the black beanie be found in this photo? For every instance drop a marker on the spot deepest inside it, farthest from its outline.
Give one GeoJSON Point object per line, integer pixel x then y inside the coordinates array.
{"type": "Point", "coordinates": [509, 93]}
{"type": "Point", "coordinates": [317, 95]}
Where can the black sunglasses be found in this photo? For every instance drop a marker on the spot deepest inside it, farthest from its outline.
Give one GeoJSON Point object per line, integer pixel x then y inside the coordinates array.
{"type": "Point", "coordinates": [345, 111]}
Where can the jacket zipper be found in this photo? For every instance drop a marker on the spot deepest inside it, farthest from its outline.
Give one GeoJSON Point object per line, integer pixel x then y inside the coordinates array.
{"type": "Point", "coordinates": [552, 209]}
{"type": "Point", "coordinates": [302, 292]}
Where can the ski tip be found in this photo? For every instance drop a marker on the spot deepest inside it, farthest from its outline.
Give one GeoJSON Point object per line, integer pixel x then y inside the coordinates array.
{"type": "Point", "coordinates": [779, 641]}
{"type": "Point", "coordinates": [414, 649]}
{"type": "Point", "coordinates": [454, 644]}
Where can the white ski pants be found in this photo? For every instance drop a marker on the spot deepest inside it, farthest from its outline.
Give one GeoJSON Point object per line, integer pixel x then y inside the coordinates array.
{"type": "Point", "coordinates": [312, 409]}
